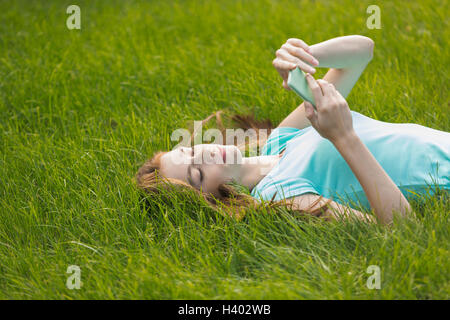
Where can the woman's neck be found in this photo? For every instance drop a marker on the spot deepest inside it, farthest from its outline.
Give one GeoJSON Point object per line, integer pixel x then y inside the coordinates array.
{"type": "Point", "coordinates": [253, 169]}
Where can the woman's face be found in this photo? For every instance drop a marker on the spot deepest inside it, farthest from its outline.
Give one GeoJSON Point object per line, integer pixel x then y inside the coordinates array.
{"type": "Point", "coordinates": [204, 166]}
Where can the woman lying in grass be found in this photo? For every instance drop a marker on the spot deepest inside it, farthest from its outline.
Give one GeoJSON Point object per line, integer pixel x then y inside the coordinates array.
{"type": "Point", "coordinates": [317, 161]}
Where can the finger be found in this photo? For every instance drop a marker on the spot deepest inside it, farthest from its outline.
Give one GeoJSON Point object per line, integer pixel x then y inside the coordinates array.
{"type": "Point", "coordinates": [281, 64]}
{"type": "Point", "coordinates": [310, 113]}
{"type": "Point", "coordinates": [337, 93]}
{"type": "Point", "coordinates": [285, 85]}
{"type": "Point", "coordinates": [327, 88]}
{"type": "Point", "coordinates": [300, 53]}
{"type": "Point", "coordinates": [306, 67]}
{"type": "Point", "coordinates": [315, 88]}
{"type": "Point", "coordinates": [334, 92]}
{"type": "Point", "coordinates": [299, 43]}
{"type": "Point", "coordinates": [284, 55]}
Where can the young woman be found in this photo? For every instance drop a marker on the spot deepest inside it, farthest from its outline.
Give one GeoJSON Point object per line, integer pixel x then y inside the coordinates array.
{"type": "Point", "coordinates": [320, 161]}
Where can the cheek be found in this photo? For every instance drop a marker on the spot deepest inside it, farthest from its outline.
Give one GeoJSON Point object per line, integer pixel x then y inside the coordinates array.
{"type": "Point", "coordinates": [214, 176]}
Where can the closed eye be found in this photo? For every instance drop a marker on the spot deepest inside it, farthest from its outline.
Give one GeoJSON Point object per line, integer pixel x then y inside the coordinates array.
{"type": "Point", "coordinates": [198, 175]}
{"type": "Point", "coordinates": [200, 172]}
{"type": "Point", "coordinates": [195, 178]}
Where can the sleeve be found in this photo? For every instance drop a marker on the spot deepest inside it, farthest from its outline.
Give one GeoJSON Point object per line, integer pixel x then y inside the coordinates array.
{"type": "Point", "coordinates": [285, 189]}
{"type": "Point", "coordinates": [278, 139]}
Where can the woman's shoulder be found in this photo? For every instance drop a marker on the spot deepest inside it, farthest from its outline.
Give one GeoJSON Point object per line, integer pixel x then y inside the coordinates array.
{"type": "Point", "coordinates": [279, 137]}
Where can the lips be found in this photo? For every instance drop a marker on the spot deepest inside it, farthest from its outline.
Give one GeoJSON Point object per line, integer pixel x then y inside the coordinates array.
{"type": "Point", "coordinates": [224, 154]}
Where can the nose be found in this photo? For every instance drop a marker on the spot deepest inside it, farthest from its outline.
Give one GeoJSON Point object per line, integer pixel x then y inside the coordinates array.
{"type": "Point", "coordinates": [185, 151]}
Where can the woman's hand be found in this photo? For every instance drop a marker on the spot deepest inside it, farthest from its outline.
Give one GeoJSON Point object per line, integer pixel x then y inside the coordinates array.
{"type": "Point", "coordinates": [293, 53]}
{"type": "Point", "coordinates": [333, 119]}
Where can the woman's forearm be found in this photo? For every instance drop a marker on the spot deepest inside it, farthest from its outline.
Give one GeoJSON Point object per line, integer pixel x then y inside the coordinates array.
{"type": "Point", "coordinates": [383, 195]}
{"type": "Point", "coordinates": [347, 57]}
{"type": "Point", "coordinates": [343, 52]}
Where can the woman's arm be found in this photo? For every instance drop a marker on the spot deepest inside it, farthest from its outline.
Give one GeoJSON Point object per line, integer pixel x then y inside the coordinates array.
{"type": "Point", "coordinates": [334, 122]}
{"type": "Point", "coordinates": [347, 57]}
{"type": "Point", "coordinates": [384, 196]}
{"type": "Point", "coordinates": [332, 211]}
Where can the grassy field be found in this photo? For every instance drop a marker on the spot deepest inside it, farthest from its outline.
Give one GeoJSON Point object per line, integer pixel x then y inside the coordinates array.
{"type": "Point", "coordinates": [80, 110]}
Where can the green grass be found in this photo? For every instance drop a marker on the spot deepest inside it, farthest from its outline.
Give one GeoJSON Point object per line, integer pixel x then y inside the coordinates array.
{"type": "Point", "coordinates": [81, 110]}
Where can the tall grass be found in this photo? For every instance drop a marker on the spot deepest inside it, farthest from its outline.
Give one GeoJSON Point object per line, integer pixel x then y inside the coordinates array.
{"type": "Point", "coordinates": [80, 110]}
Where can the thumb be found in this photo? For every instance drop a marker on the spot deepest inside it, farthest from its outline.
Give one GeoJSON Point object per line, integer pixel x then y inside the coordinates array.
{"type": "Point", "coordinates": [310, 113]}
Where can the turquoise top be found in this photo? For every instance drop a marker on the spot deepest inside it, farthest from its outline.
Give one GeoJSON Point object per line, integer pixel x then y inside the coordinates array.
{"type": "Point", "coordinates": [414, 156]}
